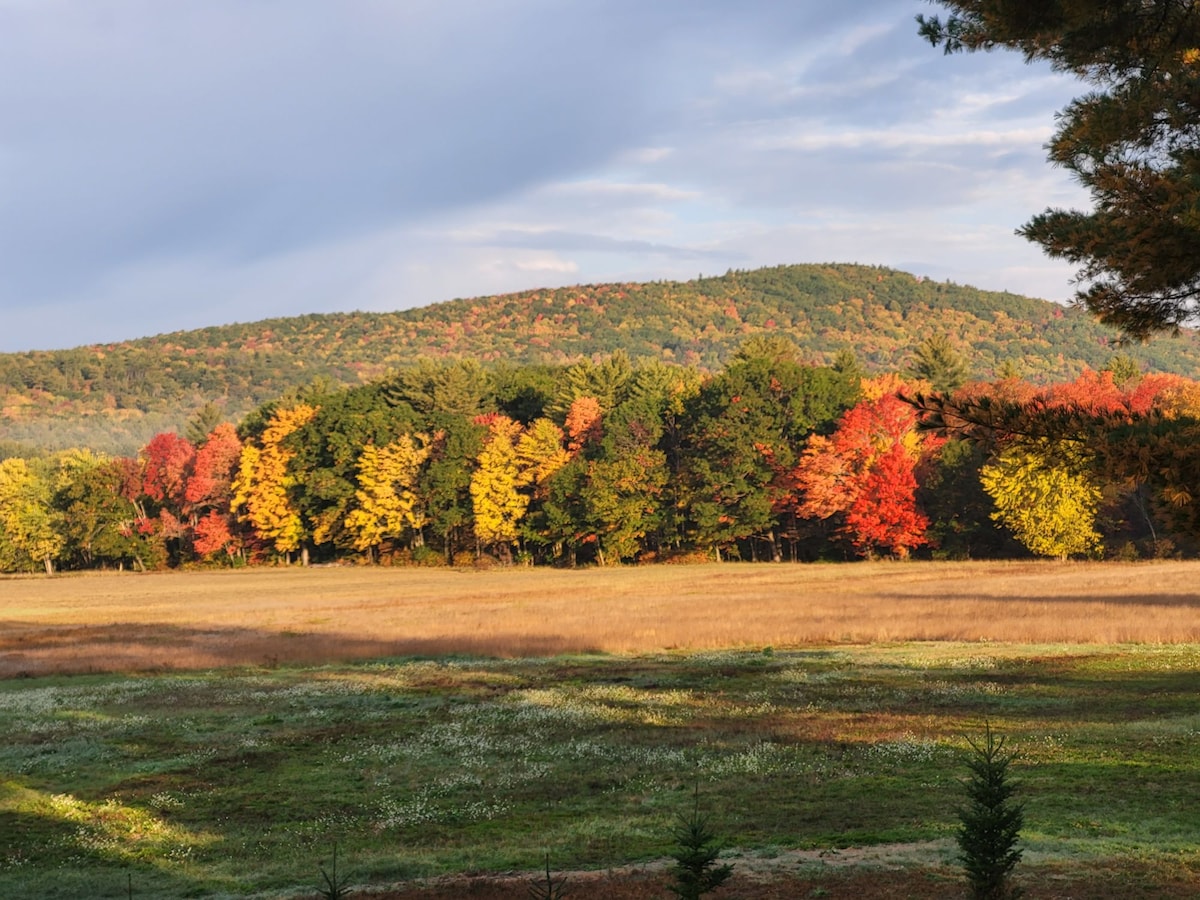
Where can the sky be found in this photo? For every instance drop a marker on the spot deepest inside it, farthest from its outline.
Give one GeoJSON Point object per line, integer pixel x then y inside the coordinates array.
{"type": "Point", "coordinates": [172, 164]}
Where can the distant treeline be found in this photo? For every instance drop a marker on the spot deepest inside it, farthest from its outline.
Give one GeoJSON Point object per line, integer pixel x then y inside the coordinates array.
{"type": "Point", "coordinates": [115, 397]}
{"type": "Point", "coordinates": [603, 462]}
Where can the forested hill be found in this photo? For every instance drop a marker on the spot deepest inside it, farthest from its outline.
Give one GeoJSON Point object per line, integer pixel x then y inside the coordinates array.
{"type": "Point", "coordinates": [115, 396]}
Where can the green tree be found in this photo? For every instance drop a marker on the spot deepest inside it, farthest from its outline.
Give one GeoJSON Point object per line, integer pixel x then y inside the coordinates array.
{"type": "Point", "coordinates": [937, 361]}
{"type": "Point", "coordinates": [960, 511]}
{"type": "Point", "coordinates": [696, 871]}
{"type": "Point", "coordinates": [1133, 141]}
{"type": "Point", "coordinates": [99, 520]}
{"type": "Point", "coordinates": [202, 422]}
{"type": "Point", "coordinates": [445, 482]}
{"type": "Point", "coordinates": [625, 478]}
{"type": "Point", "coordinates": [608, 381]}
{"type": "Point", "coordinates": [745, 429]}
{"type": "Point", "coordinates": [524, 393]}
{"type": "Point", "coordinates": [774, 348]}
{"type": "Point", "coordinates": [991, 822]}
{"type": "Point", "coordinates": [1124, 369]}
{"type": "Point", "coordinates": [327, 451]}
{"type": "Point", "coordinates": [459, 388]}
{"type": "Point", "coordinates": [560, 521]}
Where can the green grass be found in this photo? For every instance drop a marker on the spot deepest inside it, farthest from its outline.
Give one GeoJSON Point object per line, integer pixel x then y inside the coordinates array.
{"type": "Point", "coordinates": [240, 782]}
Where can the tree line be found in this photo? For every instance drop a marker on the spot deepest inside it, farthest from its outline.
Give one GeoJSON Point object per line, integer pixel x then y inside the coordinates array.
{"type": "Point", "coordinates": [604, 462]}
{"type": "Point", "coordinates": [117, 397]}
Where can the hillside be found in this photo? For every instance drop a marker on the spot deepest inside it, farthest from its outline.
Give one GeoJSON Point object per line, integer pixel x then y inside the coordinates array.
{"type": "Point", "coordinates": [115, 396]}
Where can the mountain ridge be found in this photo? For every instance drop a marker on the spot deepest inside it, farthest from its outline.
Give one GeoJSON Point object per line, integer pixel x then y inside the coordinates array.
{"type": "Point", "coordinates": [113, 396]}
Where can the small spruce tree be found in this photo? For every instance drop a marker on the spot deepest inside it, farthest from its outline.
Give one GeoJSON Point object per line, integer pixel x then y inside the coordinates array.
{"type": "Point", "coordinates": [336, 886]}
{"type": "Point", "coordinates": [991, 822]}
{"type": "Point", "coordinates": [548, 888]}
{"type": "Point", "coordinates": [696, 850]}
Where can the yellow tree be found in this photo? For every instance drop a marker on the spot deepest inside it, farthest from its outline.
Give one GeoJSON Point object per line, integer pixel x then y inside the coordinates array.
{"type": "Point", "coordinates": [496, 499]}
{"type": "Point", "coordinates": [540, 453]}
{"type": "Point", "coordinates": [262, 484]}
{"type": "Point", "coordinates": [29, 534]}
{"type": "Point", "coordinates": [388, 503]}
{"type": "Point", "coordinates": [1048, 501]}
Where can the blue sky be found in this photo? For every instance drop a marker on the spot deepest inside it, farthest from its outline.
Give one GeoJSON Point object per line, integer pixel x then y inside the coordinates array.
{"type": "Point", "coordinates": [171, 164]}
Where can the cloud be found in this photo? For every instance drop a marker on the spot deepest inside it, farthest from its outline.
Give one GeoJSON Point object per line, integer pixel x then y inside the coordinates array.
{"type": "Point", "coordinates": [166, 167]}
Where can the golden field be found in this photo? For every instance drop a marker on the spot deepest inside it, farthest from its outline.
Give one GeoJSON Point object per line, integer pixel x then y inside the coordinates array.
{"type": "Point", "coordinates": [135, 622]}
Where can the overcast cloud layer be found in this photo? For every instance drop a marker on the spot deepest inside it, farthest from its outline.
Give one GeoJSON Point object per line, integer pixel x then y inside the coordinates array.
{"type": "Point", "coordinates": [170, 165]}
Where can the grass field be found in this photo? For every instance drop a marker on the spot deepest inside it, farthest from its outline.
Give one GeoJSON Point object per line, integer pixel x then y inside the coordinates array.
{"type": "Point", "coordinates": [442, 723]}
{"type": "Point", "coordinates": [274, 616]}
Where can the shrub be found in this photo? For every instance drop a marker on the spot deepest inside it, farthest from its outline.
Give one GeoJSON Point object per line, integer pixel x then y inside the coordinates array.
{"type": "Point", "coordinates": [428, 557]}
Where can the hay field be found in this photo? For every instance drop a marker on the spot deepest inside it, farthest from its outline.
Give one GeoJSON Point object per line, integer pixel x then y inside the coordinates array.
{"type": "Point", "coordinates": [188, 620]}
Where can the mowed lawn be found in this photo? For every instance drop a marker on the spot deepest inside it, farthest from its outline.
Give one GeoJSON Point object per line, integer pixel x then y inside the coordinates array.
{"type": "Point", "coordinates": [440, 724]}
{"type": "Point", "coordinates": [123, 622]}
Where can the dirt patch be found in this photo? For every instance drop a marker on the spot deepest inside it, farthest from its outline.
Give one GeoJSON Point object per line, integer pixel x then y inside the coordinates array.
{"type": "Point", "coordinates": [908, 871]}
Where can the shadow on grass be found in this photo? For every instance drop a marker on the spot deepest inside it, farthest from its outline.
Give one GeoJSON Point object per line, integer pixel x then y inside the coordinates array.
{"type": "Point", "coordinates": [27, 652]}
{"type": "Point", "coordinates": [1176, 601]}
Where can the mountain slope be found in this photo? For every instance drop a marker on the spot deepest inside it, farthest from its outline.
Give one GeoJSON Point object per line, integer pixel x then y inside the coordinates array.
{"type": "Point", "coordinates": [115, 396]}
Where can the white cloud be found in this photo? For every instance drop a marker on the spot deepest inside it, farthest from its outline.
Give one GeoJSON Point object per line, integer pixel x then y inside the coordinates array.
{"type": "Point", "coordinates": [626, 190]}
{"type": "Point", "coordinates": [168, 167]}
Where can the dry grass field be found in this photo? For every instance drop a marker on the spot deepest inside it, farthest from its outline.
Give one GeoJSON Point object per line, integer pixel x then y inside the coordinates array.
{"type": "Point", "coordinates": [190, 620]}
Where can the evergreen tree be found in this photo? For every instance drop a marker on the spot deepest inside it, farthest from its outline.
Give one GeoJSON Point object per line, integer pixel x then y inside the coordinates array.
{"type": "Point", "coordinates": [445, 481]}
{"type": "Point", "coordinates": [936, 361]}
{"type": "Point", "coordinates": [201, 424]}
{"type": "Point", "coordinates": [608, 382]}
{"type": "Point", "coordinates": [696, 851]}
{"type": "Point", "coordinates": [991, 822]}
{"type": "Point", "coordinates": [1133, 141]}
{"type": "Point", "coordinates": [459, 388]}
{"type": "Point", "coordinates": [745, 429]}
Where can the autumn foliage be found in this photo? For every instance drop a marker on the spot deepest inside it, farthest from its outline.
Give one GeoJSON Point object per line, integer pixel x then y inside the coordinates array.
{"type": "Point", "coordinates": [864, 474]}
{"type": "Point", "coordinates": [770, 459]}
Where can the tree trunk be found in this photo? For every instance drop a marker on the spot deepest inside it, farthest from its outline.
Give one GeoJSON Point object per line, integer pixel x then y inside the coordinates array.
{"type": "Point", "coordinates": [304, 556]}
{"type": "Point", "coordinates": [49, 565]}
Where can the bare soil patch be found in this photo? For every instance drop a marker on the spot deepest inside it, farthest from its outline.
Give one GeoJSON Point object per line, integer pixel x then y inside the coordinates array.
{"type": "Point", "coordinates": [884, 872]}
{"type": "Point", "coordinates": [184, 620]}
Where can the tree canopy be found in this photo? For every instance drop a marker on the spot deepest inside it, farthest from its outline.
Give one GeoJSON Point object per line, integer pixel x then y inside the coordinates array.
{"type": "Point", "coordinates": [1133, 141]}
